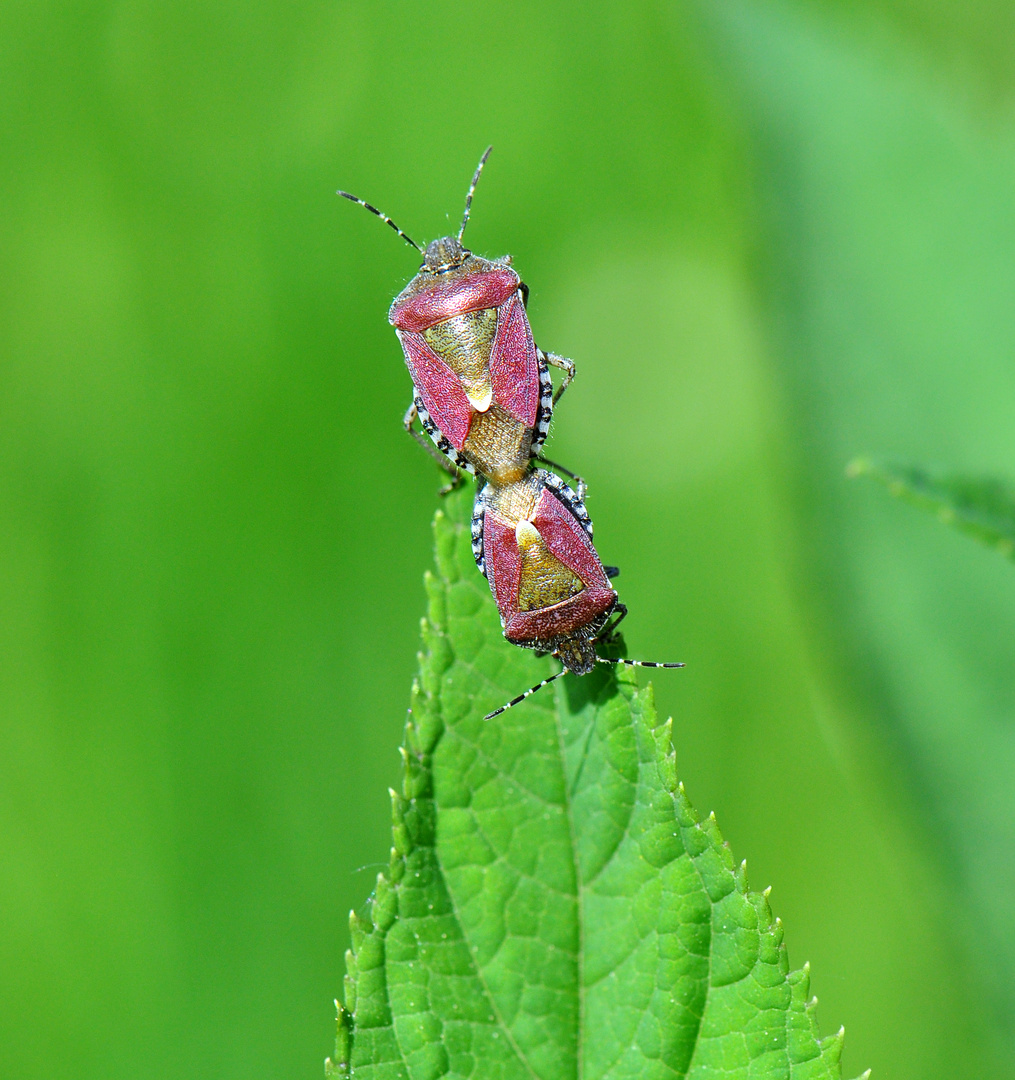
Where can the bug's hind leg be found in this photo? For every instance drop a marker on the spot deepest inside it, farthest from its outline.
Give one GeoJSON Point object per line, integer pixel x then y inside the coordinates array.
{"type": "Point", "coordinates": [408, 421]}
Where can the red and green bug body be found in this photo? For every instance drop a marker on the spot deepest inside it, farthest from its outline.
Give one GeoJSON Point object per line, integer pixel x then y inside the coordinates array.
{"type": "Point", "coordinates": [532, 540]}
{"type": "Point", "coordinates": [481, 387]}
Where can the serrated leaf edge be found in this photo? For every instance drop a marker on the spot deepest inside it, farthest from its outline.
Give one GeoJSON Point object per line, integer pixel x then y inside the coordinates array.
{"type": "Point", "coordinates": [690, 820]}
{"type": "Point", "coordinates": [423, 729]}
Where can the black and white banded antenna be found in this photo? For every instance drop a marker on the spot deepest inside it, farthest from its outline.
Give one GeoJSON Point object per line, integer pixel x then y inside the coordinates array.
{"type": "Point", "coordinates": [599, 659]}
{"type": "Point", "coordinates": [384, 217]}
{"type": "Point", "coordinates": [472, 191]}
{"type": "Point", "coordinates": [528, 693]}
{"type": "Point", "coordinates": [635, 663]}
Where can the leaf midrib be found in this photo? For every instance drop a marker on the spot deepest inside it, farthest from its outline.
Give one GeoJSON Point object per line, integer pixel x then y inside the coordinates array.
{"type": "Point", "coordinates": [578, 889]}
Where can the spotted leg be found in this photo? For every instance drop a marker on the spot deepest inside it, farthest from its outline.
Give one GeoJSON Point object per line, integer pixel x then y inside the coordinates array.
{"type": "Point", "coordinates": [456, 475]}
{"type": "Point", "coordinates": [565, 365]}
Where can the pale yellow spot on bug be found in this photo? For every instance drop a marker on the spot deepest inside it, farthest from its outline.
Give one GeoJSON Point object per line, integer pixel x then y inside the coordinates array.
{"type": "Point", "coordinates": [526, 535]}
{"type": "Point", "coordinates": [480, 402]}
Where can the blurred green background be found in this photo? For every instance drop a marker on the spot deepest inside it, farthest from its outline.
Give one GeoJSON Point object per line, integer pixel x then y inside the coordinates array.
{"type": "Point", "coordinates": [772, 236]}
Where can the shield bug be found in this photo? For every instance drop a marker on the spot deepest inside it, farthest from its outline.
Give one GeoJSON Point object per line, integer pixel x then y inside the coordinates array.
{"type": "Point", "coordinates": [481, 387]}
{"type": "Point", "coordinates": [532, 540]}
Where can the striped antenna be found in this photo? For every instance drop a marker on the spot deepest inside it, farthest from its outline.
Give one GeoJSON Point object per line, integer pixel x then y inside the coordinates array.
{"type": "Point", "coordinates": [383, 217]}
{"type": "Point", "coordinates": [635, 663]}
{"type": "Point", "coordinates": [468, 199]}
{"type": "Point", "coordinates": [528, 693]}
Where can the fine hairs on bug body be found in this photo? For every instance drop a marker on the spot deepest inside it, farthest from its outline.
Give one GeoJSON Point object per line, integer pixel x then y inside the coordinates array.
{"type": "Point", "coordinates": [482, 393]}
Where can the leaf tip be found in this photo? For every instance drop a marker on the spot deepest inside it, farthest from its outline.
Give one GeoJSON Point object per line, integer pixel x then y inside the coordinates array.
{"type": "Point", "coordinates": [358, 929]}
{"type": "Point", "coordinates": [338, 1065]}
{"type": "Point", "coordinates": [401, 840]}
{"type": "Point", "coordinates": [831, 1046]}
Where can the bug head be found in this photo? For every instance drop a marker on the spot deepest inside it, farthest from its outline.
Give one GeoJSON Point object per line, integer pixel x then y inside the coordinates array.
{"type": "Point", "coordinates": [577, 653]}
{"type": "Point", "coordinates": [444, 254]}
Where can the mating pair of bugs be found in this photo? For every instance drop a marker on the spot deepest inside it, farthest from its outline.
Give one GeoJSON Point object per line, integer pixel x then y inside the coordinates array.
{"type": "Point", "coordinates": [483, 394]}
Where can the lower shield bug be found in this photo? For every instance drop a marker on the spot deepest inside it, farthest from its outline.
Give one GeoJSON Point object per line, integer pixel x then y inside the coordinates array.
{"type": "Point", "coordinates": [532, 540]}
{"type": "Point", "coordinates": [481, 387]}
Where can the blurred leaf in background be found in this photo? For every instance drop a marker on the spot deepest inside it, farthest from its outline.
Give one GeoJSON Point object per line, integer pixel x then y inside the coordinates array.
{"type": "Point", "coordinates": [771, 237]}
{"type": "Point", "coordinates": [979, 506]}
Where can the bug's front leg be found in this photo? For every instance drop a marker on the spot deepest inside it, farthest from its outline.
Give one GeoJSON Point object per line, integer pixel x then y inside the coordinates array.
{"type": "Point", "coordinates": [563, 364]}
{"type": "Point", "coordinates": [408, 421]}
{"type": "Point", "coordinates": [609, 632]}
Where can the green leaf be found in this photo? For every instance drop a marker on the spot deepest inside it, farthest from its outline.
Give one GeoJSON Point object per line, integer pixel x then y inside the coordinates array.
{"type": "Point", "coordinates": [554, 907]}
{"type": "Point", "coordinates": [982, 507]}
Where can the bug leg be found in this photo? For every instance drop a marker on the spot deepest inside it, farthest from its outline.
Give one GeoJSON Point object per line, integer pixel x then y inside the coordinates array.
{"type": "Point", "coordinates": [612, 571]}
{"type": "Point", "coordinates": [565, 365]}
{"type": "Point", "coordinates": [609, 632]}
{"type": "Point", "coordinates": [456, 474]}
{"type": "Point", "coordinates": [579, 483]}
{"type": "Point", "coordinates": [610, 636]}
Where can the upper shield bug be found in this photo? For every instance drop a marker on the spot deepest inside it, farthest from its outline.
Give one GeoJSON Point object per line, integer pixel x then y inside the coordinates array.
{"type": "Point", "coordinates": [532, 540]}
{"type": "Point", "coordinates": [481, 387]}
